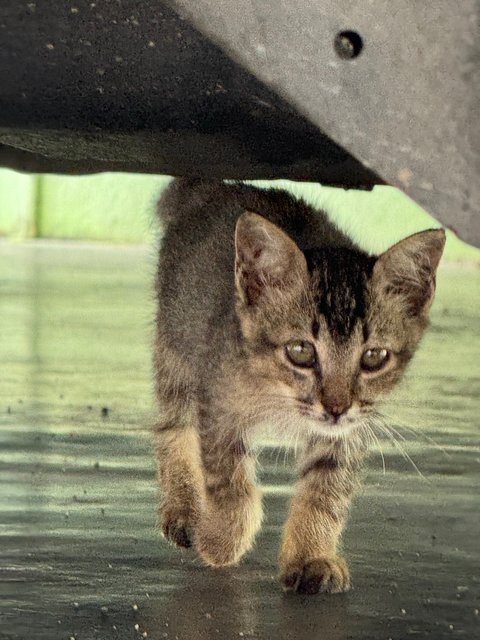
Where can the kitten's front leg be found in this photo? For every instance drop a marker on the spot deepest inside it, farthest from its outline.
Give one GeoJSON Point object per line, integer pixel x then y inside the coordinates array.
{"type": "Point", "coordinates": [308, 559]}
{"type": "Point", "coordinates": [180, 476]}
{"type": "Point", "coordinates": [232, 511]}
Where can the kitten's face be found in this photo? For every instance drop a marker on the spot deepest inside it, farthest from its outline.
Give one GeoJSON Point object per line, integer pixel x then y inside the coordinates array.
{"type": "Point", "coordinates": [328, 333]}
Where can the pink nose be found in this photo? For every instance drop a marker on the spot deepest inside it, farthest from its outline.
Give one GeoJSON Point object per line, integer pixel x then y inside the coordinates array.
{"type": "Point", "coordinates": [335, 408]}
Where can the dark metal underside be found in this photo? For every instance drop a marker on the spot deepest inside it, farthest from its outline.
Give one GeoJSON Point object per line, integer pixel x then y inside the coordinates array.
{"type": "Point", "coordinates": [249, 89]}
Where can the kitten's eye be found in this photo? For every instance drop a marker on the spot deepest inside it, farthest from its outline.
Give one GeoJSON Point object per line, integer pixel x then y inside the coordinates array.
{"type": "Point", "coordinates": [374, 359]}
{"type": "Point", "coordinates": [301, 353]}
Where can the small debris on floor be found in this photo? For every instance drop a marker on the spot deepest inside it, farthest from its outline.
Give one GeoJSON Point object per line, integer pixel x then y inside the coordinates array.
{"type": "Point", "coordinates": [72, 547]}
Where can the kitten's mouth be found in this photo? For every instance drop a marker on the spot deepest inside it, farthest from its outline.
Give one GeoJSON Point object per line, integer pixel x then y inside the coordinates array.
{"type": "Point", "coordinates": [337, 426]}
{"type": "Point", "coordinates": [326, 418]}
{"type": "Point", "coordinates": [334, 421]}
{"type": "Point", "coordinates": [332, 425]}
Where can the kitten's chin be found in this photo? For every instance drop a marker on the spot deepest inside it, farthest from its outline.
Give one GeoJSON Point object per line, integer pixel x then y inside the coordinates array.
{"type": "Point", "coordinates": [336, 432]}
{"type": "Point", "coordinates": [334, 429]}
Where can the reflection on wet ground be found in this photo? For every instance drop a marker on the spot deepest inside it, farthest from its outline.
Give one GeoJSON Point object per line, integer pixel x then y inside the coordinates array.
{"type": "Point", "coordinates": [80, 556]}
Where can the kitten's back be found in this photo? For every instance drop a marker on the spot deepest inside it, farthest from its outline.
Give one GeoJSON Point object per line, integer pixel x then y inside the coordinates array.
{"type": "Point", "coordinates": [202, 202]}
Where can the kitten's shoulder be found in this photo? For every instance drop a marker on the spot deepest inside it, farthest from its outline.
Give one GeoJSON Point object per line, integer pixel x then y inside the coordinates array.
{"type": "Point", "coordinates": [184, 194]}
{"type": "Point", "coordinates": [214, 200]}
{"type": "Point", "coordinates": [191, 194]}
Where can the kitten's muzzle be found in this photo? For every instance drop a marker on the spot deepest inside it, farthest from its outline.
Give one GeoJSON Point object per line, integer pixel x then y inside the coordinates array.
{"type": "Point", "coordinates": [335, 409]}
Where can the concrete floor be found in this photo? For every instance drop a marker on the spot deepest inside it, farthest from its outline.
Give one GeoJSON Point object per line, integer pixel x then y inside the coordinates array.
{"type": "Point", "coordinates": [79, 553]}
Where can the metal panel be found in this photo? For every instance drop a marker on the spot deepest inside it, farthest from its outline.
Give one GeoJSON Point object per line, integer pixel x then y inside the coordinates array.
{"type": "Point", "coordinates": [250, 89]}
{"type": "Point", "coordinates": [408, 106]}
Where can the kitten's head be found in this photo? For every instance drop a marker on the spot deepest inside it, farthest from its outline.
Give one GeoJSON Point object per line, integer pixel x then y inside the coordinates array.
{"type": "Point", "coordinates": [329, 331]}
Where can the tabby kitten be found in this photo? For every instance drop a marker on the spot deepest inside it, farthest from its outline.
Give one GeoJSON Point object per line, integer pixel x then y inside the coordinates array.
{"type": "Point", "coordinates": [269, 314]}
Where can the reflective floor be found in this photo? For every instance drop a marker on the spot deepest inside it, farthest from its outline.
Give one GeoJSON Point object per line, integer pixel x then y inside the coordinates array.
{"type": "Point", "coordinates": [79, 553]}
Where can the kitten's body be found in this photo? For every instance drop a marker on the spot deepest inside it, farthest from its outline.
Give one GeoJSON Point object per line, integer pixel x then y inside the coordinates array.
{"type": "Point", "coordinates": [241, 298]}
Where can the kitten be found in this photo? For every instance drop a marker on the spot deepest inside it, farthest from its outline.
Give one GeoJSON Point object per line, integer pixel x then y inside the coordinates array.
{"type": "Point", "coordinates": [269, 313]}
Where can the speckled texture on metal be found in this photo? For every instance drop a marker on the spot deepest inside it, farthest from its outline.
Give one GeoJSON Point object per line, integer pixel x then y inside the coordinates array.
{"type": "Point", "coordinates": [250, 88]}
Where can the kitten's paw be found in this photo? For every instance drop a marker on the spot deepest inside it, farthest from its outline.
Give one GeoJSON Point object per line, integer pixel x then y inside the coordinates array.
{"type": "Point", "coordinates": [217, 548]}
{"type": "Point", "coordinates": [324, 575]}
{"type": "Point", "coordinates": [177, 527]}
{"type": "Point", "coordinates": [223, 535]}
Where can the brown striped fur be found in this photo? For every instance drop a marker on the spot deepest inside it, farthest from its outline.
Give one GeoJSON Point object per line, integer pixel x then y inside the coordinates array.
{"type": "Point", "coordinates": [243, 272]}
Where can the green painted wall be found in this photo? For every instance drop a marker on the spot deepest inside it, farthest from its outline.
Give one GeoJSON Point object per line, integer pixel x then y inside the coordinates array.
{"type": "Point", "coordinates": [120, 208]}
{"type": "Point", "coordinates": [18, 204]}
{"type": "Point", "coordinates": [113, 207]}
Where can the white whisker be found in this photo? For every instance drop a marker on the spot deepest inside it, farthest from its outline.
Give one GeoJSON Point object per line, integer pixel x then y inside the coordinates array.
{"type": "Point", "coordinates": [386, 430]}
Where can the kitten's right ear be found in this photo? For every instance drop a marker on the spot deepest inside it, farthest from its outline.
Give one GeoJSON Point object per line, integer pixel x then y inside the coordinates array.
{"type": "Point", "coordinates": [265, 258]}
{"type": "Point", "coordinates": [408, 269]}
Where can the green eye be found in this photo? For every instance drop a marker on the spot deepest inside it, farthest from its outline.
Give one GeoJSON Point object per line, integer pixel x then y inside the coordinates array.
{"type": "Point", "coordinates": [374, 359]}
{"type": "Point", "coordinates": [301, 353]}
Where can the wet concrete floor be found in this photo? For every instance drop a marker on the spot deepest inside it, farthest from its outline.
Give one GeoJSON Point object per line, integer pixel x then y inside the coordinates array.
{"type": "Point", "coordinates": [79, 553]}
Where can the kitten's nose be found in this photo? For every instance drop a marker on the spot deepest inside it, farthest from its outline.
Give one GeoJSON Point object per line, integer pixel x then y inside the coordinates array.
{"type": "Point", "coordinates": [336, 408]}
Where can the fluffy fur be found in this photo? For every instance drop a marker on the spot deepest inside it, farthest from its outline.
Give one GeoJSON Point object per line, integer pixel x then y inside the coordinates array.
{"type": "Point", "coordinates": [244, 274]}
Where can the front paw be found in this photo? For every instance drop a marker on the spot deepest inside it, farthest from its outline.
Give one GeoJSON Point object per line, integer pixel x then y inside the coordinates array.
{"type": "Point", "coordinates": [324, 575]}
{"type": "Point", "coordinates": [177, 526]}
{"type": "Point", "coordinates": [226, 530]}
{"type": "Point", "coordinates": [217, 545]}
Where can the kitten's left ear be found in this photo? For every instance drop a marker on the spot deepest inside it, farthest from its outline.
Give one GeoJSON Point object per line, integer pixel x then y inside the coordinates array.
{"type": "Point", "coordinates": [266, 259]}
{"type": "Point", "coordinates": [409, 267]}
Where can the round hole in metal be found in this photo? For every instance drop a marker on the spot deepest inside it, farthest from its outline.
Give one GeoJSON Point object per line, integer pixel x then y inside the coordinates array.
{"type": "Point", "coordinates": [348, 44]}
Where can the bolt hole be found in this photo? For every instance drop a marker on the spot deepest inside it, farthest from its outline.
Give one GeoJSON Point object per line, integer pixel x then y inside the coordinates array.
{"type": "Point", "coordinates": [348, 44]}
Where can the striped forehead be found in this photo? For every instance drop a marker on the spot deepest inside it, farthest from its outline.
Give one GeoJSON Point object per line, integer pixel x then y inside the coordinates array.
{"type": "Point", "coordinates": [339, 280]}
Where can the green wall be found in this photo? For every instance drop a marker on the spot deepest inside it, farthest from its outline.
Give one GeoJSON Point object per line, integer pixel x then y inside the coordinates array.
{"type": "Point", "coordinates": [120, 208]}
{"type": "Point", "coordinates": [113, 207]}
{"type": "Point", "coordinates": [18, 204]}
